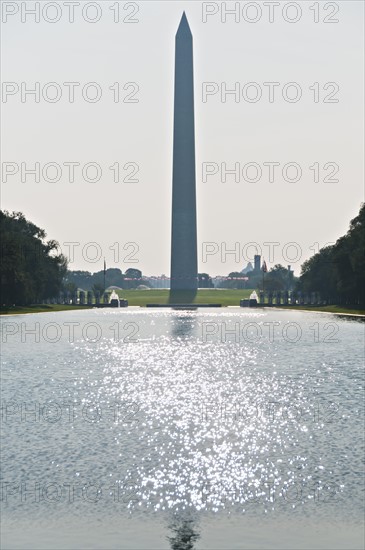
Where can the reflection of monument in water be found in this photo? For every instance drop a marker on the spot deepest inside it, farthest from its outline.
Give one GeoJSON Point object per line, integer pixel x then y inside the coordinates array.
{"type": "Point", "coordinates": [184, 270]}
{"type": "Point", "coordinates": [182, 326]}
{"type": "Point", "coordinates": [185, 534]}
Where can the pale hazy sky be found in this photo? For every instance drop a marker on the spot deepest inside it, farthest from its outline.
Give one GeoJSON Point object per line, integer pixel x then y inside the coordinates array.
{"type": "Point", "coordinates": [107, 132]}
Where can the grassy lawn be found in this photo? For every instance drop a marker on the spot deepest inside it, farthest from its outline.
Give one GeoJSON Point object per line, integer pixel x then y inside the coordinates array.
{"type": "Point", "coordinates": [225, 297]}
{"type": "Point", "coordinates": [143, 297]}
{"type": "Point", "coordinates": [203, 296]}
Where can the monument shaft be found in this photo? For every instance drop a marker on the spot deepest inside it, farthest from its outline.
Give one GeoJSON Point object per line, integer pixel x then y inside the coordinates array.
{"type": "Point", "coordinates": [184, 275]}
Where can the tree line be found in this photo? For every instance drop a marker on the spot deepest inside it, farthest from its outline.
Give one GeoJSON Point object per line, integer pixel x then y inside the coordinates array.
{"type": "Point", "coordinates": [132, 278]}
{"type": "Point", "coordinates": [337, 271]}
{"type": "Point", "coordinates": [33, 269]}
{"type": "Point", "coordinates": [277, 278]}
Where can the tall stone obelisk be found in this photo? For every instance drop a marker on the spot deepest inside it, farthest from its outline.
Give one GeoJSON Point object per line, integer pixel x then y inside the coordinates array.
{"type": "Point", "coordinates": [184, 272]}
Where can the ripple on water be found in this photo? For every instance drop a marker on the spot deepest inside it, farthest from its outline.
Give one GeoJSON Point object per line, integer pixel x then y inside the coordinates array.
{"type": "Point", "coordinates": [174, 415]}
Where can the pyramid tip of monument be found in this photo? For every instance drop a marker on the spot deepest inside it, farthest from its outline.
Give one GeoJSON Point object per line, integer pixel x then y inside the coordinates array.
{"type": "Point", "coordinates": [184, 24]}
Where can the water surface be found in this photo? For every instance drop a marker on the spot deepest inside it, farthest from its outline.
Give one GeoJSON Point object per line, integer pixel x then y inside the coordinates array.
{"type": "Point", "coordinates": [182, 429]}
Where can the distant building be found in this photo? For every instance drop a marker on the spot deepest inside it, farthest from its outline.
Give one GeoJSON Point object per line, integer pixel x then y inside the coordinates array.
{"type": "Point", "coordinates": [257, 262]}
{"type": "Point", "coordinates": [159, 281]}
{"type": "Point", "coordinates": [217, 280]}
{"type": "Point", "coordinates": [247, 269]}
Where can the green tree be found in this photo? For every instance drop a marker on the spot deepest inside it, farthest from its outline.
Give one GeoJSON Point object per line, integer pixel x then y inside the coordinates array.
{"type": "Point", "coordinates": [98, 287]}
{"type": "Point", "coordinates": [205, 281]}
{"type": "Point", "coordinates": [318, 274]}
{"type": "Point", "coordinates": [133, 273]}
{"type": "Point", "coordinates": [337, 271]}
{"type": "Point", "coordinates": [82, 279]}
{"type": "Point", "coordinates": [235, 280]}
{"type": "Point", "coordinates": [32, 268]}
{"type": "Point", "coordinates": [278, 278]}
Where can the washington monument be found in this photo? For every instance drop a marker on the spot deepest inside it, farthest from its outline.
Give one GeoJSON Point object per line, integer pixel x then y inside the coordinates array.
{"type": "Point", "coordinates": [184, 272]}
